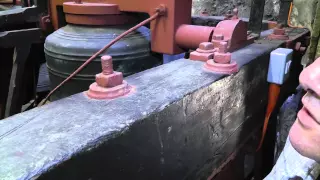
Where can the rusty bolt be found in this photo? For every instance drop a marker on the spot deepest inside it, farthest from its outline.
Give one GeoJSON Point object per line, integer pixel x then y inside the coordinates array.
{"type": "Point", "coordinates": [162, 10]}
{"type": "Point", "coordinates": [108, 78]}
{"type": "Point", "coordinates": [206, 46]}
{"type": "Point", "coordinates": [218, 37]}
{"type": "Point", "coordinates": [223, 47]}
{"type": "Point", "coordinates": [299, 47]}
{"type": "Point", "coordinates": [107, 66]}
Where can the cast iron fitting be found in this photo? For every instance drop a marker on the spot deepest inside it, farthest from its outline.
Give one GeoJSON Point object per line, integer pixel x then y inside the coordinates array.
{"type": "Point", "coordinates": [109, 84]}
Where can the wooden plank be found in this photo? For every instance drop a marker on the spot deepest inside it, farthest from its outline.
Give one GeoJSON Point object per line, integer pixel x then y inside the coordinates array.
{"type": "Point", "coordinates": [14, 100]}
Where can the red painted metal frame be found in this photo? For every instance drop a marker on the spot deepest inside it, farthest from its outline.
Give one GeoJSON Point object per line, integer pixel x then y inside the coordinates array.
{"type": "Point", "coordinates": [163, 30]}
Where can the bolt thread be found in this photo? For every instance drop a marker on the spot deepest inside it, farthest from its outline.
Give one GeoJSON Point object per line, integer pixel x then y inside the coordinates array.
{"type": "Point", "coordinates": [107, 65]}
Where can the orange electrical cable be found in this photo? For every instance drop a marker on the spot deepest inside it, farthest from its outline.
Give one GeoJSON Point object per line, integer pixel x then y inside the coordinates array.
{"type": "Point", "coordinates": [153, 17]}
{"type": "Point", "coordinates": [274, 91]}
{"type": "Point", "coordinates": [289, 15]}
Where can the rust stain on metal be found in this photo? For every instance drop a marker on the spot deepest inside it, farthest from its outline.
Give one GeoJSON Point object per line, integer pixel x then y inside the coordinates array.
{"type": "Point", "coordinates": [109, 84]}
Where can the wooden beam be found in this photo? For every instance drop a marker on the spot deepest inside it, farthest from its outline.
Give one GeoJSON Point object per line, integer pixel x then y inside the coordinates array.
{"type": "Point", "coordinates": [15, 98]}
{"type": "Point", "coordinates": [179, 123]}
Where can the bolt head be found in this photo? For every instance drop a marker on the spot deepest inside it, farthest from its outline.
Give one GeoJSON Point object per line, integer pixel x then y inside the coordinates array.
{"type": "Point", "coordinates": [206, 46]}
{"type": "Point", "coordinates": [108, 81]}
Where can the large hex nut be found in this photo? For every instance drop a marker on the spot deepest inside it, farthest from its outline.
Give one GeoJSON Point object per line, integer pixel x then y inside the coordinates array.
{"type": "Point", "coordinates": [111, 80]}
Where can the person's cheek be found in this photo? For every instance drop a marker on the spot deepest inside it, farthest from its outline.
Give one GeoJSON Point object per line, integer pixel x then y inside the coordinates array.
{"type": "Point", "coordinates": [306, 141]}
{"type": "Point", "coordinates": [310, 77]}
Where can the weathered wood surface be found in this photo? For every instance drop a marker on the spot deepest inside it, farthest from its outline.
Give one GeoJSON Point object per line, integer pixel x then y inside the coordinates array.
{"type": "Point", "coordinates": [15, 94]}
{"type": "Point", "coordinates": [256, 16]}
{"type": "Point", "coordinates": [178, 124]}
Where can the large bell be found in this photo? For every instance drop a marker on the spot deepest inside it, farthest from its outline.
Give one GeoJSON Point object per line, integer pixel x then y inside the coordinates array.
{"type": "Point", "coordinates": [69, 47]}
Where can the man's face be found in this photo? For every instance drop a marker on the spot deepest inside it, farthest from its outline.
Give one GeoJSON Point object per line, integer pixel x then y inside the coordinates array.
{"type": "Point", "coordinates": [305, 132]}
